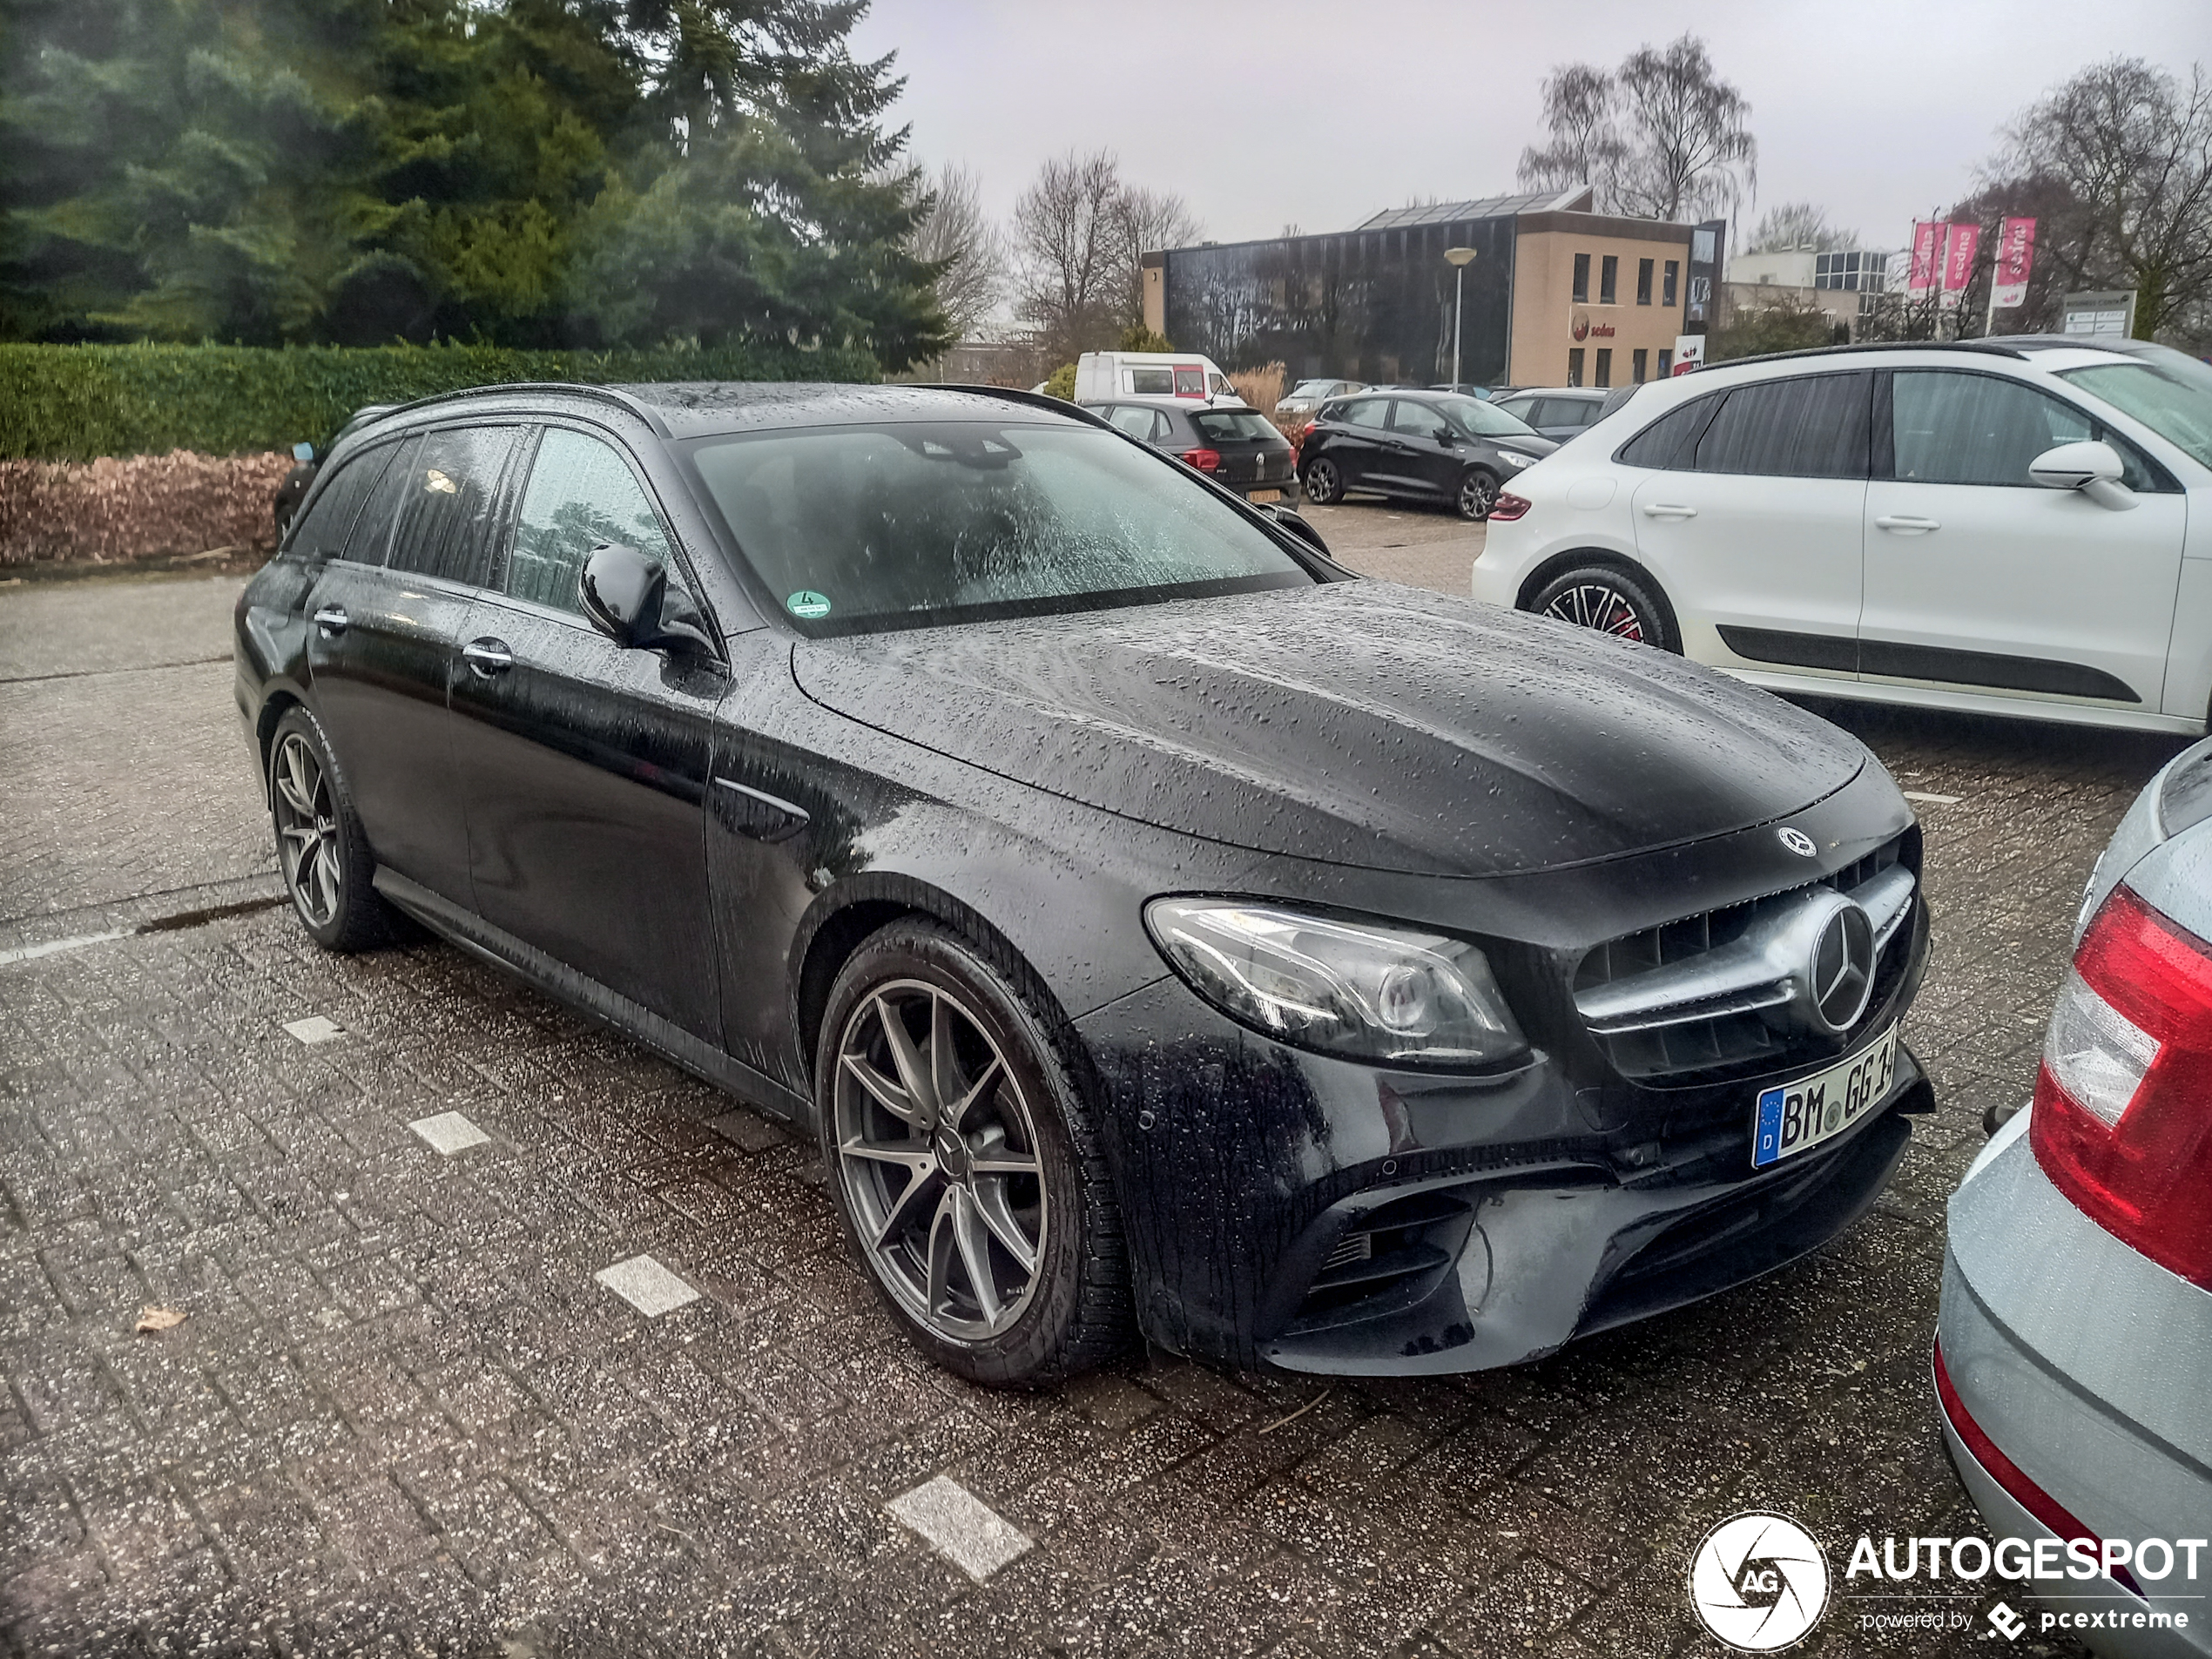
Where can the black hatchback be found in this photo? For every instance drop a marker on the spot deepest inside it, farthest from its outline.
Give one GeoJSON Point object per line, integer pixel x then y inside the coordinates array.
{"type": "Point", "coordinates": [1419, 446]}
{"type": "Point", "coordinates": [1157, 929]}
{"type": "Point", "coordinates": [1239, 449]}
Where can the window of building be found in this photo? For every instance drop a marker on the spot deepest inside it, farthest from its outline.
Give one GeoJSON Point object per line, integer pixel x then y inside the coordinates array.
{"type": "Point", "coordinates": [1574, 366]}
{"type": "Point", "coordinates": [1643, 285]}
{"type": "Point", "coordinates": [1666, 290]}
{"type": "Point", "coordinates": [1666, 363]}
{"type": "Point", "coordinates": [1608, 281]}
{"type": "Point", "coordinates": [1582, 278]}
{"type": "Point", "coordinates": [1605, 363]}
{"type": "Point", "coordinates": [1643, 358]}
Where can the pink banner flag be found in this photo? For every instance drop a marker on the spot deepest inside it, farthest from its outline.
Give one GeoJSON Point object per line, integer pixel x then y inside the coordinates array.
{"type": "Point", "coordinates": [2015, 259]}
{"type": "Point", "coordinates": [1958, 258]}
{"type": "Point", "coordinates": [1925, 256]}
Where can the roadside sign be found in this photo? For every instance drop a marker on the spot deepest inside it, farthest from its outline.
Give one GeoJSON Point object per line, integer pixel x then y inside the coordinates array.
{"type": "Point", "coordinates": [1690, 351]}
{"type": "Point", "coordinates": [2106, 312]}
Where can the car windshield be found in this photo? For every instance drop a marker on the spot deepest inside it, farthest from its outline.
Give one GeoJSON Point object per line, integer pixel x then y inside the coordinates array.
{"type": "Point", "coordinates": [860, 527]}
{"type": "Point", "coordinates": [1229, 426]}
{"type": "Point", "coordinates": [2171, 395]}
{"type": "Point", "coordinates": [1480, 420]}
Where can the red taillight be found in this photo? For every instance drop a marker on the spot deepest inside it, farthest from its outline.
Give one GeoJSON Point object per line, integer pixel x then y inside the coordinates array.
{"type": "Point", "coordinates": [2122, 1123]}
{"type": "Point", "coordinates": [1508, 506]}
{"type": "Point", "coordinates": [1204, 460]}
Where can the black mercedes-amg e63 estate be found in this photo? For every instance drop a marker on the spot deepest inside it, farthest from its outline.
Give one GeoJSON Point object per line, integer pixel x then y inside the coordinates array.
{"type": "Point", "coordinates": [1160, 929]}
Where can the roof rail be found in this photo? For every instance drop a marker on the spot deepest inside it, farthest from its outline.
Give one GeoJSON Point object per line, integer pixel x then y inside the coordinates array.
{"type": "Point", "coordinates": [1985, 348]}
{"type": "Point", "coordinates": [1017, 395]}
{"type": "Point", "coordinates": [621, 400]}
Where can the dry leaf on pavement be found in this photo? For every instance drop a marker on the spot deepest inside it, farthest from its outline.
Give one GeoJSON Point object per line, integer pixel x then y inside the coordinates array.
{"type": "Point", "coordinates": [152, 1319]}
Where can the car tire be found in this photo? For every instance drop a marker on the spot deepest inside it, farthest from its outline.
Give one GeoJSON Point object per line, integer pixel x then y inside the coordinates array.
{"type": "Point", "coordinates": [1323, 481]}
{"type": "Point", "coordinates": [1476, 494]}
{"type": "Point", "coordinates": [1610, 601]}
{"type": "Point", "coordinates": [321, 850]}
{"type": "Point", "coordinates": [965, 1167]}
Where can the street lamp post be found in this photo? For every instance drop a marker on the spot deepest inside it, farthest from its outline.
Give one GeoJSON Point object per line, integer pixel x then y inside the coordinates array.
{"type": "Point", "coordinates": [1460, 258]}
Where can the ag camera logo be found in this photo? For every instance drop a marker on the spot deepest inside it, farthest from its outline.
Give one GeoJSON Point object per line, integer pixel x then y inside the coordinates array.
{"type": "Point", "coordinates": [1758, 1581]}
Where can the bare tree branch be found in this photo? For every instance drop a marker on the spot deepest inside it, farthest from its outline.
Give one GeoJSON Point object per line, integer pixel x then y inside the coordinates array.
{"type": "Point", "coordinates": [1663, 138]}
{"type": "Point", "coordinates": [954, 230]}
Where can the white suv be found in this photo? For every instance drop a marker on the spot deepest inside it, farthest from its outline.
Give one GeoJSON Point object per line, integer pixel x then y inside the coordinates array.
{"type": "Point", "coordinates": [2019, 526]}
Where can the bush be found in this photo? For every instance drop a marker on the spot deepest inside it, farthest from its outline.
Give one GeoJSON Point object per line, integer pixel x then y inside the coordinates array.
{"type": "Point", "coordinates": [1137, 337]}
{"type": "Point", "coordinates": [79, 402]}
{"type": "Point", "coordinates": [1062, 384]}
{"type": "Point", "coordinates": [146, 506]}
{"type": "Point", "coordinates": [1261, 387]}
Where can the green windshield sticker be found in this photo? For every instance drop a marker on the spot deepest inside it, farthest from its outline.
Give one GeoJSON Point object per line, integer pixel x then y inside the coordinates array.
{"type": "Point", "coordinates": [809, 605]}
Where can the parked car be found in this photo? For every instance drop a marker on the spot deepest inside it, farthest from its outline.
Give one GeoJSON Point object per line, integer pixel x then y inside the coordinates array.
{"type": "Point", "coordinates": [1159, 928]}
{"type": "Point", "coordinates": [2003, 526]}
{"type": "Point", "coordinates": [1309, 396]}
{"type": "Point", "coordinates": [1558, 412]}
{"type": "Point", "coordinates": [1419, 446]}
{"type": "Point", "coordinates": [1103, 374]}
{"type": "Point", "coordinates": [306, 460]}
{"type": "Point", "coordinates": [1239, 448]}
{"type": "Point", "coordinates": [2074, 1355]}
{"type": "Point", "coordinates": [1486, 393]}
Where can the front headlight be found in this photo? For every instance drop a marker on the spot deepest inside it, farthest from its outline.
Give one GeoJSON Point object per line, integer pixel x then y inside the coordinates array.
{"type": "Point", "coordinates": [1366, 993]}
{"type": "Point", "coordinates": [1514, 458]}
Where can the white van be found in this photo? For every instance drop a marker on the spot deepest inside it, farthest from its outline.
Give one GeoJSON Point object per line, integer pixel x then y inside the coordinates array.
{"type": "Point", "coordinates": [1104, 376]}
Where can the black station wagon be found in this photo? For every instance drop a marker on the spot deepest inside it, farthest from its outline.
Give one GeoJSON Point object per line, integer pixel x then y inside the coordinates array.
{"type": "Point", "coordinates": [1160, 929]}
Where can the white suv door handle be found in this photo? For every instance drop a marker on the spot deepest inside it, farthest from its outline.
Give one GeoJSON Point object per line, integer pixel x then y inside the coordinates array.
{"type": "Point", "coordinates": [1668, 510]}
{"type": "Point", "coordinates": [1907, 523]}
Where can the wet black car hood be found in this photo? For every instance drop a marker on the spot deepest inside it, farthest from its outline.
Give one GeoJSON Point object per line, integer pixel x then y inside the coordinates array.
{"type": "Point", "coordinates": [1359, 722]}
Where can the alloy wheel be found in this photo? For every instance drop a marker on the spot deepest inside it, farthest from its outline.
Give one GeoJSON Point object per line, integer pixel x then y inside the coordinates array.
{"type": "Point", "coordinates": [1322, 483]}
{"type": "Point", "coordinates": [307, 830]}
{"type": "Point", "coordinates": [937, 1151]}
{"type": "Point", "coordinates": [1592, 605]}
{"type": "Point", "coordinates": [1477, 496]}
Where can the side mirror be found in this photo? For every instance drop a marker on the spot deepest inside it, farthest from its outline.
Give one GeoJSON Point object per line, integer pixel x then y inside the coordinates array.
{"type": "Point", "coordinates": [627, 597]}
{"type": "Point", "coordinates": [1446, 436]}
{"type": "Point", "coordinates": [2094, 469]}
{"type": "Point", "coordinates": [1286, 519]}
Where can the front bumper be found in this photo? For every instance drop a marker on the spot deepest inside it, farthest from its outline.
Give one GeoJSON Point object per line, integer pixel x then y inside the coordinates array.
{"type": "Point", "coordinates": [1325, 1216]}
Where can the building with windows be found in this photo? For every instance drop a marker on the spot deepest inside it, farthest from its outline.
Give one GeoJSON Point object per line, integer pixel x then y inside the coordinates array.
{"type": "Point", "coordinates": [1845, 283]}
{"type": "Point", "coordinates": [1557, 295]}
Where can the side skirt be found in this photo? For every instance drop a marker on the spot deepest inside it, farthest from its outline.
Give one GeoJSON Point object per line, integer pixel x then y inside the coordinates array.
{"type": "Point", "coordinates": [589, 996]}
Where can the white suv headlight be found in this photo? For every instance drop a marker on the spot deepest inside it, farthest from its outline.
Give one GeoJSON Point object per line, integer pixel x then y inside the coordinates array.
{"type": "Point", "coordinates": [1367, 993]}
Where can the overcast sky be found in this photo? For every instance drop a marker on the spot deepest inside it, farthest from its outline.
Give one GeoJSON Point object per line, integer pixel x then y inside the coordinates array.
{"type": "Point", "coordinates": [1321, 112]}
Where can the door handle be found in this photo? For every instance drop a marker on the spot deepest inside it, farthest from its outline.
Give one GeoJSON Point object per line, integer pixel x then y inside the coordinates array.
{"type": "Point", "coordinates": [1907, 523]}
{"type": "Point", "coordinates": [487, 657]}
{"type": "Point", "coordinates": [331, 620]}
{"type": "Point", "coordinates": [1668, 510]}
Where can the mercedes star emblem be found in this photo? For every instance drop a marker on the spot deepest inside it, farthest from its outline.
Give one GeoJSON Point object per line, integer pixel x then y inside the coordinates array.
{"type": "Point", "coordinates": [1799, 842]}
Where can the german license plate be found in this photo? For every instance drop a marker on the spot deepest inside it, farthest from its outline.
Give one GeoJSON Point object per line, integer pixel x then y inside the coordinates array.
{"type": "Point", "coordinates": [1262, 495]}
{"type": "Point", "coordinates": [1796, 1117]}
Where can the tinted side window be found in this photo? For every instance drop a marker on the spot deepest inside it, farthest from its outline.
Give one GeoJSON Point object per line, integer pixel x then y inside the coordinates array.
{"type": "Point", "coordinates": [1811, 426]}
{"type": "Point", "coordinates": [1669, 442]}
{"type": "Point", "coordinates": [330, 516]}
{"type": "Point", "coordinates": [582, 493]}
{"type": "Point", "coordinates": [372, 537]}
{"type": "Point", "coordinates": [1152, 382]}
{"type": "Point", "coordinates": [1133, 418]}
{"type": "Point", "coordinates": [1415, 420]}
{"type": "Point", "coordinates": [1365, 411]}
{"type": "Point", "coordinates": [446, 500]}
{"type": "Point", "coordinates": [1962, 428]}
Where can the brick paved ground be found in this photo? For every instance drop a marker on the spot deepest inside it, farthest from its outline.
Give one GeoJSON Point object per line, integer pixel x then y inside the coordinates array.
{"type": "Point", "coordinates": [402, 1417]}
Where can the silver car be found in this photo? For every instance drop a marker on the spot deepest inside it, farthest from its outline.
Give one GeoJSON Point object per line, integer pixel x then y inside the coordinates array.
{"type": "Point", "coordinates": [2074, 1353]}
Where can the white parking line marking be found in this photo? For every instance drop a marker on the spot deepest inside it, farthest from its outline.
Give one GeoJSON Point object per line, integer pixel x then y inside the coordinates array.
{"type": "Point", "coordinates": [646, 1285]}
{"type": "Point", "coordinates": [1933, 800]}
{"type": "Point", "coordinates": [314, 1028]}
{"type": "Point", "coordinates": [54, 947]}
{"type": "Point", "coordinates": [449, 1133]}
{"type": "Point", "coordinates": [960, 1526]}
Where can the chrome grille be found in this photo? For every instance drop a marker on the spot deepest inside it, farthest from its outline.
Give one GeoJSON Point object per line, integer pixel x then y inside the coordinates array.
{"type": "Point", "coordinates": [1716, 990]}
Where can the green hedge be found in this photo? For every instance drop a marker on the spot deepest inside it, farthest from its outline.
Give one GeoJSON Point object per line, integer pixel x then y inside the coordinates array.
{"type": "Point", "coordinates": [80, 402]}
